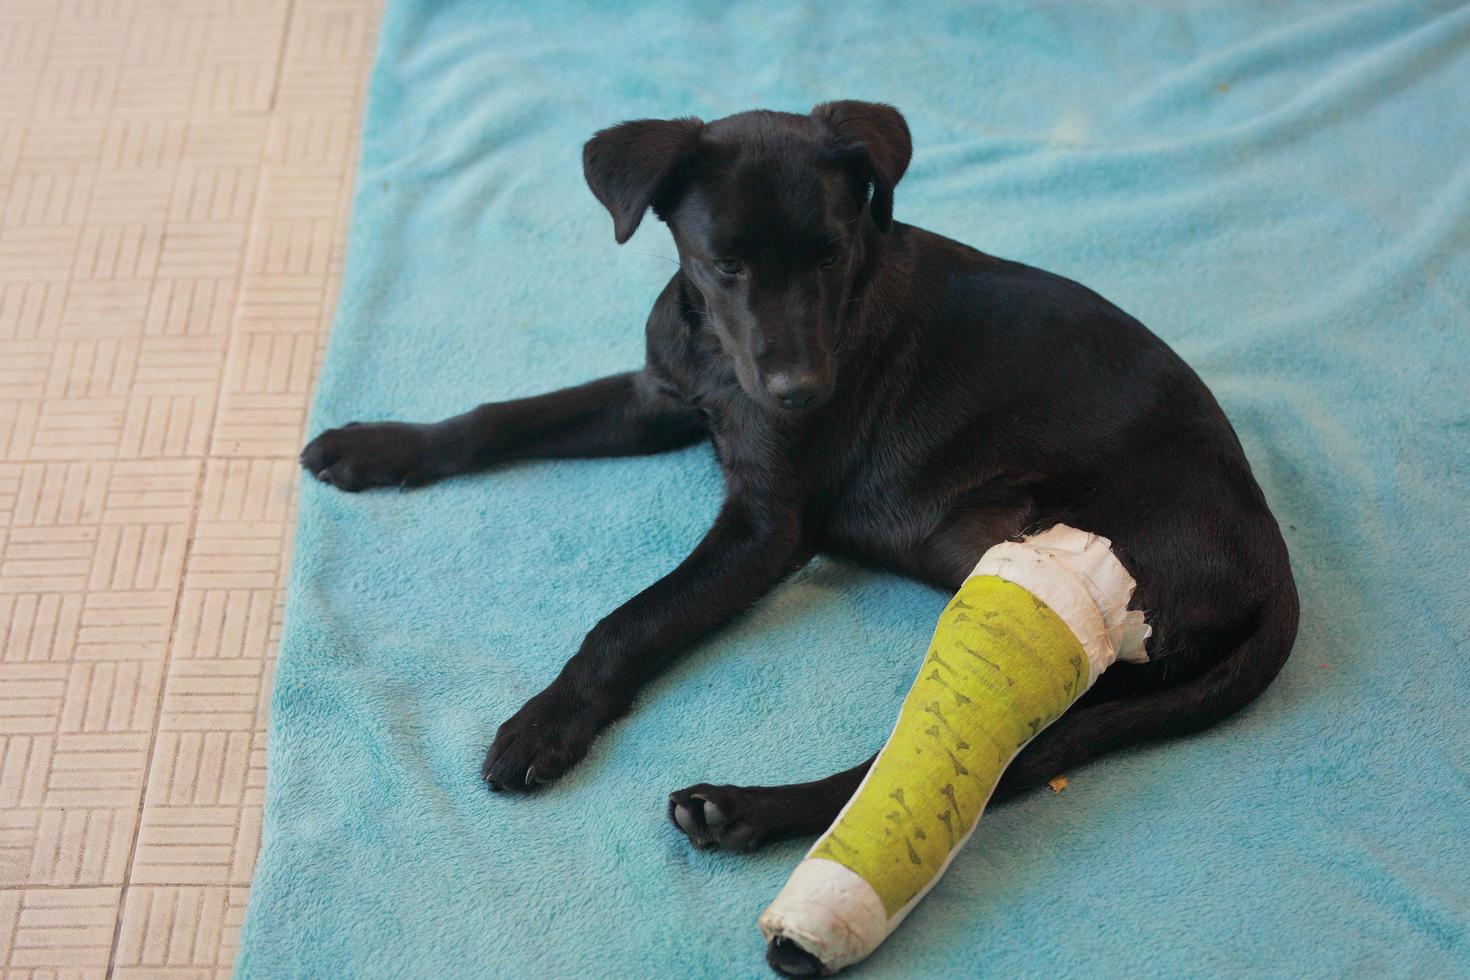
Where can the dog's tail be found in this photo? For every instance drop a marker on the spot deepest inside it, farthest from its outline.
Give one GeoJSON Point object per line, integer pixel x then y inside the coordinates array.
{"type": "Point", "coordinates": [1184, 709]}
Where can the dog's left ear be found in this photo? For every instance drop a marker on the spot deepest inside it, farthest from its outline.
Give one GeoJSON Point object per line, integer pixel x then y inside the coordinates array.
{"type": "Point", "coordinates": [875, 138]}
{"type": "Point", "coordinates": [635, 165]}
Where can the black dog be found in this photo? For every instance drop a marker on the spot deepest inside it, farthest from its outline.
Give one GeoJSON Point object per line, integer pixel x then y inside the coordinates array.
{"type": "Point", "coordinates": [881, 393]}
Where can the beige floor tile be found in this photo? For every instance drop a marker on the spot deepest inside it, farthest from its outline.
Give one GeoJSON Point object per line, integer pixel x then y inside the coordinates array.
{"type": "Point", "coordinates": [174, 185]}
{"type": "Point", "coordinates": [57, 932]}
{"type": "Point", "coordinates": [179, 931]}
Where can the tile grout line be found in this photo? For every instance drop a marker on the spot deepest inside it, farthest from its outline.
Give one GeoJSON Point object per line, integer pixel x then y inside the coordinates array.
{"type": "Point", "coordinates": [219, 397]}
{"type": "Point", "coordinates": [280, 68]}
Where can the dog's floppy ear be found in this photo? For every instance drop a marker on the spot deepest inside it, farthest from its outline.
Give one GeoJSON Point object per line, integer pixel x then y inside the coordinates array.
{"type": "Point", "coordinates": [635, 165]}
{"type": "Point", "coordinates": [874, 138]}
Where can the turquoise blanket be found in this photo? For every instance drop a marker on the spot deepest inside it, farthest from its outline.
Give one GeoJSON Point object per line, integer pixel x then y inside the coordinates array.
{"type": "Point", "coordinates": [1281, 190]}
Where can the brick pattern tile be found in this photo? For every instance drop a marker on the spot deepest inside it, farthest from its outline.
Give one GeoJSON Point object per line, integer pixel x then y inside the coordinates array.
{"type": "Point", "coordinates": [174, 184]}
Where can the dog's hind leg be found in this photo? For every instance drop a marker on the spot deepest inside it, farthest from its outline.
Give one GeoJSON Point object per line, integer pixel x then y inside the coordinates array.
{"type": "Point", "coordinates": [987, 517]}
{"type": "Point", "coordinates": [742, 818]}
{"type": "Point", "coordinates": [1093, 729]}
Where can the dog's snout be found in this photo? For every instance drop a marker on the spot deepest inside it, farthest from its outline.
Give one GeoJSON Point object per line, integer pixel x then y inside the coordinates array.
{"type": "Point", "coordinates": [796, 389]}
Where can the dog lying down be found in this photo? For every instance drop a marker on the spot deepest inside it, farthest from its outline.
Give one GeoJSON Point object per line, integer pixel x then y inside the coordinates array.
{"type": "Point", "coordinates": [883, 394]}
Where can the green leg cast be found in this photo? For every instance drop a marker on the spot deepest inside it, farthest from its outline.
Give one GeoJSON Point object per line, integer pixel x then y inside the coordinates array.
{"type": "Point", "coordinates": [1021, 641]}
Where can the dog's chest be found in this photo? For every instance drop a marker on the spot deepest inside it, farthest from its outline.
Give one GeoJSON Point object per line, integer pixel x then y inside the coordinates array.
{"type": "Point", "coordinates": [856, 474]}
{"type": "Point", "coordinates": [865, 492]}
{"type": "Point", "coordinates": [874, 513]}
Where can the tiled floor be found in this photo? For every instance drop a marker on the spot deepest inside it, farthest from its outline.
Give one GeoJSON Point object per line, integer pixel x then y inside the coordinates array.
{"type": "Point", "coordinates": [174, 185]}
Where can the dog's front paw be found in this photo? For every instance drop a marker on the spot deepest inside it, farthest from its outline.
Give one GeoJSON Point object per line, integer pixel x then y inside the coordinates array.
{"type": "Point", "coordinates": [376, 454]}
{"type": "Point", "coordinates": [539, 743]}
{"type": "Point", "coordinates": [725, 816]}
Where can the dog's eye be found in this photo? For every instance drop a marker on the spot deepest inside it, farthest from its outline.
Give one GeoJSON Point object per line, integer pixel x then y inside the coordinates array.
{"type": "Point", "coordinates": [729, 267]}
{"type": "Point", "coordinates": [829, 260]}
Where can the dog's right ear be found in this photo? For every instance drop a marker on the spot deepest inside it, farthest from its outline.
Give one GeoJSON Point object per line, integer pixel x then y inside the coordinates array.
{"type": "Point", "coordinates": [637, 165]}
{"type": "Point", "coordinates": [875, 138]}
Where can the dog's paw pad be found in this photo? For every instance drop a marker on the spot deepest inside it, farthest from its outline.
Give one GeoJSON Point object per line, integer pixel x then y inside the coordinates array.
{"type": "Point", "coordinates": [713, 815]}
{"type": "Point", "coordinates": [710, 816]}
{"type": "Point", "coordinates": [684, 817]}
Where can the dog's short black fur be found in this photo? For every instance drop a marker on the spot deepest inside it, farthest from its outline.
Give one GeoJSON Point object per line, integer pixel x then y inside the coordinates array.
{"type": "Point", "coordinates": [878, 392]}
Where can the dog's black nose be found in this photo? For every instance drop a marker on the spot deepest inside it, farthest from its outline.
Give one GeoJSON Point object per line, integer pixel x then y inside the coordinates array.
{"type": "Point", "coordinates": [795, 389]}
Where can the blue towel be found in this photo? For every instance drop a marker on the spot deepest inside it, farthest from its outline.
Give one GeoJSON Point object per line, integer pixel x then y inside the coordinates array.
{"type": "Point", "coordinates": [1282, 191]}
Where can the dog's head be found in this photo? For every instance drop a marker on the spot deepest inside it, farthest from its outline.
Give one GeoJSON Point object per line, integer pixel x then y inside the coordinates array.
{"type": "Point", "coordinates": [770, 212]}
